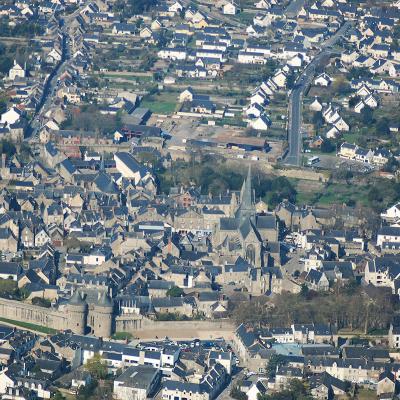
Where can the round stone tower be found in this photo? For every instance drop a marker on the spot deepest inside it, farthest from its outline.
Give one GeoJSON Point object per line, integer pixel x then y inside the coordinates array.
{"type": "Point", "coordinates": [103, 314]}
{"type": "Point", "coordinates": [77, 313]}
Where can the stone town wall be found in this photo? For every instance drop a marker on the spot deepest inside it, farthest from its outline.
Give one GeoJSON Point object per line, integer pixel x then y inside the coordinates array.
{"type": "Point", "coordinates": [138, 325]}
{"type": "Point", "coordinates": [23, 312]}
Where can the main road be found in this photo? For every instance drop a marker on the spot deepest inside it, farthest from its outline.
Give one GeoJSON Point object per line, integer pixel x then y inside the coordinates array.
{"type": "Point", "coordinates": [50, 86]}
{"type": "Point", "coordinates": [293, 156]}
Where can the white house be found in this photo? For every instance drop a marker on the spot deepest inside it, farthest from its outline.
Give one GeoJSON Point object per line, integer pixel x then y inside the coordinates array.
{"type": "Point", "coordinates": [259, 97]}
{"type": "Point", "coordinates": [246, 57]}
{"type": "Point", "coordinates": [254, 389]}
{"type": "Point", "coordinates": [262, 4]}
{"type": "Point", "coordinates": [316, 105]}
{"type": "Point", "coordinates": [280, 79]}
{"type": "Point", "coordinates": [363, 91]}
{"type": "Point", "coordinates": [262, 123]}
{"type": "Point", "coordinates": [296, 61]}
{"type": "Point", "coordinates": [371, 101]}
{"type": "Point", "coordinates": [269, 87]}
{"type": "Point", "coordinates": [176, 7]}
{"type": "Point", "coordinates": [146, 33]}
{"type": "Point", "coordinates": [54, 56]}
{"type": "Point", "coordinates": [11, 116]}
{"type": "Point", "coordinates": [323, 80]}
{"type": "Point", "coordinates": [359, 107]}
{"type": "Point", "coordinates": [332, 132]}
{"type": "Point", "coordinates": [392, 214]}
{"type": "Point", "coordinates": [254, 110]}
{"type": "Point", "coordinates": [341, 124]}
{"type": "Point", "coordinates": [230, 8]}
{"type": "Point", "coordinates": [388, 234]}
{"type": "Point", "coordinates": [16, 71]}
{"type": "Point", "coordinates": [129, 168]}
{"type": "Point", "coordinates": [173, 53]}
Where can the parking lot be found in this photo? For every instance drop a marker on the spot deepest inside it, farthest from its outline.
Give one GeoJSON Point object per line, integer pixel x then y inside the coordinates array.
{"type": "Point", "coordinates": [331, 162]}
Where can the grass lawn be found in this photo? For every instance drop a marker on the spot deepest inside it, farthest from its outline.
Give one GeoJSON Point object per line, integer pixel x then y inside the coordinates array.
{"type": "Point", "coordinates": [164, 103]}
{"type": "Point", "coordinates": [341, 193]}
{"type": "Point", "coordinates": [304, 198]}
{"type": "Point", "coordinates": [27, 325]}
{"type": "Point", "coordinates": [352, 137]}
{"type": "Point", "coordinates": [159, 107]}
{"type": "Point", "coordinates": [128, 76]}
{"type": "Point", "coordinates": [325, 195]}
{"type": "Point", "coordinates": [366, 394]}
{"type": "Point", "coordinates": [122, 336]}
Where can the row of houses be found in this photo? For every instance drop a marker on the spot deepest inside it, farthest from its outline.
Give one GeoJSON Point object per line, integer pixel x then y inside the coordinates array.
{"type": "Point", "coordinates": [378, 157]}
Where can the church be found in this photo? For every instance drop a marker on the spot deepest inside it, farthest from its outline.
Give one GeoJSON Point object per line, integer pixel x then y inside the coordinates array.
{"type": "Point", "coordinates": [247, 233]}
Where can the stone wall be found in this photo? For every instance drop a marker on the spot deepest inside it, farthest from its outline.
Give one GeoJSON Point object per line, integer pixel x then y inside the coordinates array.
{"type": "Point", "coordinates": [138, 325]}
{"type": "Point", "coordinates": [23, 312]}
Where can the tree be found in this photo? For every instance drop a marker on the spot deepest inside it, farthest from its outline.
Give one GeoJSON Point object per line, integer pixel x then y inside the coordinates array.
{"type": "Point", "coordinates": [25, 152]}
{"type": "Point", "coordinates": [8, 287]}
{"type": "Point", "coordinates": [41, 302]}
{"type": "Point", "coordinates": [237, 394]}
{"type": "Point", "coordinates": [175, 291]}
{"type": "Point", "coordinates": [367, 115]}
{"type": "Point", "coordinates": [85, 392]}
{"type": "Point", "coordinates": [343, 174]}
{"type": "Point", "coordinates": [354, 101]}
{"type": "Point", "coordinates": [97, 367]}
{"type": "Point", "coordinates": [297, 390]}
{"type": "Point", "coordinates": [290, 80]}
{"type": "Point", "coordinates": [317, 119]}
{"type": "Point", "coordinates": [58, 396]}
{"type": "Point", "coordinates": [382, 127]}
{"type": "Point", "coordinates": [340, 86]}
{"type": "Point", "coordinates": [7, 147]}
{"type": "Point", "coordinates": [356, 73]}
{"type": "Point", "coordinates": [304, 290]}
{"type": "Point", "coordinates": [327, 146]}
{"type": "Point", "coordinates": [392, 165]}
{"type": "Point", "coordinates": [274, 362]}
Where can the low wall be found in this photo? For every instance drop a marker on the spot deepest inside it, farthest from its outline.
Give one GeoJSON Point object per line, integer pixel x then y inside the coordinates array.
{"type": "Point", "coordinates": [148, 328]}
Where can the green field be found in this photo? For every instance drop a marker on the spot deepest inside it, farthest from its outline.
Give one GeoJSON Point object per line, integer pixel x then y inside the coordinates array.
{"type": "Point", "coordinates": [304, 198]}
{"type": "Point", "coordinates": [334, 193]}
{"type": "Point", "coordinates": [159, 107]}
{"type": "Point", "coordinates": [128, 76]}
{"type": "Point", "coordinates": [341, 193]}
{"type": "Point", "coordinates": [122, 336]}
{"type": "Point", "coordinates": [27, 325]}
{"type": "Point", "coordinates": [163, 103]}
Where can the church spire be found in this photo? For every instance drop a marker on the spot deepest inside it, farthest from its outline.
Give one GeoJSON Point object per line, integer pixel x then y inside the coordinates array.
{"type": "Point", "coordinates": [246, 209]}
{"type": "Point", "coordinates": [102, 164]}
{"type": "Point", "coordinates": [246, 195]}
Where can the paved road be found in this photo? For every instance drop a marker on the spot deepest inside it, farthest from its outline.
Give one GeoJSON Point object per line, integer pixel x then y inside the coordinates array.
{"type": "Point", "coordinates": [293, 156]}
{"type": "Point", "coordinates": [213, 13]}
{"type": "Point", "coordinates": [294, 7]}
{"type": "Point", "coordinates": [50, 87]}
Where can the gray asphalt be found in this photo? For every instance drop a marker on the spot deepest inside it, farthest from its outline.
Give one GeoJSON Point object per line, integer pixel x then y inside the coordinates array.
{"type": "Point", "coordinates": [293, 156]}
{"type": "Point", "coordinates": [294, 7]}
{"type": "Point", "coordinates": [50, 89]}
